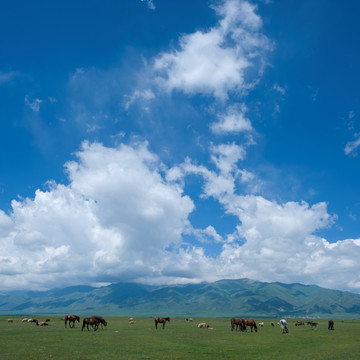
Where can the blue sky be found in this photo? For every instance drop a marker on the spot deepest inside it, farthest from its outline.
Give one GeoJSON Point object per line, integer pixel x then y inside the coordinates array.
{"type": "Point", "coordinates": [176, 142]}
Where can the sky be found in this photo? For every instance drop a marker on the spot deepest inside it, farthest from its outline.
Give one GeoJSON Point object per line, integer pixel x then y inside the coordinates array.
{"type": "Point", "coordinates": [175, 142]}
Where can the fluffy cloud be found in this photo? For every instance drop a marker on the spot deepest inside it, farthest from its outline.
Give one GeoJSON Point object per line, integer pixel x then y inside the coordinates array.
{"type": "Point", "coordinates": [123, 210]}
{"type": "Point", "coordinates": [115, 219]}
{"type": "Point", "coordinates": [233, 121]}
{"type": "Point", "coordinates": [216, 61]}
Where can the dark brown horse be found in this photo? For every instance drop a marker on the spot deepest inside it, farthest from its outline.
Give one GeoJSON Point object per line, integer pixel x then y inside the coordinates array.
{"type": "Point", "coordinates": [237, 324]}
{"type": "Point", "coordinates": [101, 320]}
{"type": "Point", "coordinates": [71, 319]}
{"type": "Point", "coordinates": [161, 321]}
{"type": "Point", "coordinates": [331, 325]}
{"type": "Point", "coordinates": [90, 321]}
{"type": "Point", "coordinates": [251, 323]}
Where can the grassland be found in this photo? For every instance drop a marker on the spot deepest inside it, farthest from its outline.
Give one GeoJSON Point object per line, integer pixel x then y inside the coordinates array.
{"type": "Point", "coordinates": [179, 340]}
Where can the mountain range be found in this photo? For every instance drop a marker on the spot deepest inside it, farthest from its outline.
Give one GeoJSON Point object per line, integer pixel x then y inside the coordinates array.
{"type": "Point", "coordinates": [224, 298]}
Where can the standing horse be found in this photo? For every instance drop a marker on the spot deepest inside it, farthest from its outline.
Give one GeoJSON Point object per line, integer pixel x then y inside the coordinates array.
{"type": "Point", "coordinates": [331, 325]}
{"type": "Point", "coordinates": [101, 320]}
{"type": "Point", "coordinates": [237, 323]}
{"type": "Point", "coordinates": [251, 323]}
{"type": "Point", "coordinates": [161, 321]}
{"type": "Point", "coordinates": [71, 319]}
{"type": "Point", "coordinates": [90, 321]}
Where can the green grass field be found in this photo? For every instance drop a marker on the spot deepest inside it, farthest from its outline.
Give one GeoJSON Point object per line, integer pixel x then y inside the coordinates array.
{"type": "Point", "coordinates": [179, 340]}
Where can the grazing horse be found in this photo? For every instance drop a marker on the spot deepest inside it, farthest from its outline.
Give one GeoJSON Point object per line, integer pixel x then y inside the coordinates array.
{"type": "Point", "coordinates": [299, 323]}
{"type": "Point", "coordinates": [251, 323]}
{"type": "Point", "coordinates": [237, 323]}
{"type": "Point", "coordinates": [161, 321]}
{"type": "Point", "coordinates": [10, 320]}
{"type": "Point", "coordinates": [101, 320]}
{"type": "Point", "coordinates": [331, 325]}
{"type": "Point", "coordinates": [312, 324]}
{"type": "Point", "coordinates": [284, 327]}
{"type": "Point", "coordinates": [71, 319]}
{"type": "Point", "coordinates": [90, 321]}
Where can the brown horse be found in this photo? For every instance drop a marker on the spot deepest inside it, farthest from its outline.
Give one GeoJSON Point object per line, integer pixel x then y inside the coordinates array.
{"type": "Point", "coordinates": [90, 321]}
{"type": "Point", "coordinates": [101, 320]}
{"type": "Point", "coordinates": [237, 323]}
{"type": "Point", "coordinates": [71, 319]}
{"type": "Point", "coordinates": [41, 323]}
{"type": "Point", "coordinates": [161, 321]}
{"type": "Point", "coordinates": [251, 323]}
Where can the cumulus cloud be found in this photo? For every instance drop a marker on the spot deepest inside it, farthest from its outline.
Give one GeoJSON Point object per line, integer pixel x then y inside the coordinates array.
{"type": "Point", "coordinates": [216, 61]}
{"type": "Point", "coordinates": [123, 209]}
{"type": "Point", "coordinates": [113, 220]}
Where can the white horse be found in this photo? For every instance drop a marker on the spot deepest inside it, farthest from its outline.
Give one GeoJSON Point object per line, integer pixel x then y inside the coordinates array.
{"type": "Point", "coordinates": [284, 327]}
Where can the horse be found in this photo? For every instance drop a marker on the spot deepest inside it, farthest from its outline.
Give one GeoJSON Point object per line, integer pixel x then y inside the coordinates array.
{"type": "Point", "coordinates": [71, 319]}
{"type": "Point", "coordinates": [284, 327]}
{"type": "Point", "coordinates": [90, 321]}
{"type": "Point", "coordinates": [101, 320]}
{"type": "Point", "coordinates": [299, 323]}
{"type": "Point", "coordinates": [331, 325]}
{"type": "Point", "coordinates": [41, 323]}
{"type": "Point", "coordinates": [237, 323]}
{"type": "Point", "coordinates": [10, 320]}
{"type": "Point", "coordinates": [251, 323]}
{"type": "Point", "coordinates": [312, 324]}
{"type": "Point", "coordinates": [161, 321]}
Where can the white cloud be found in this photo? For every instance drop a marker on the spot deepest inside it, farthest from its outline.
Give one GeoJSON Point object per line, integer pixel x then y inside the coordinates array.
{"type": "Point", "coordinates": [119, 214]}
{"type": "Point", "coordinates": [138, 95]}
{"type": "Point", "coordinates": [150, 4]}
{"type": "Point", "coordinates": [114, 220]}
{"type": "Point", "coordinates": [351, 146]}
{"type": "Point", "coordinates": [33, 105]}
{"type": "Point", "coordinates": [6, 77]}
{"type": "Point", "coordinates": [233, 121]}
{"type": "Point", "coordinates": [215, 62]}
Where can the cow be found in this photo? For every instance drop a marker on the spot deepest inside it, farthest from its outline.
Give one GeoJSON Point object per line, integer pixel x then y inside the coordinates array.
{"type": "Point", "coordinates": [203, 325]}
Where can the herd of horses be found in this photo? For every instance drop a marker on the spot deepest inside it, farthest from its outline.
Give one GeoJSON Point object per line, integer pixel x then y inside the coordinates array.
{"type": "Point", "coordinates": [94, 321]}
{"type": "Point", "coordinates": [237, 324]}
{"type": "Point", "coordinates": [243, 324]}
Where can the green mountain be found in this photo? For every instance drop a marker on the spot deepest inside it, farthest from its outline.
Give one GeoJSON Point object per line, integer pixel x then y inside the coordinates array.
{"type": "Point", "coordinates": [224, 298]}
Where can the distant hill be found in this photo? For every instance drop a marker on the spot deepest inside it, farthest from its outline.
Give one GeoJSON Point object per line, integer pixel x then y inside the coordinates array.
{"type": "Point", "coordinates": [223, 298]}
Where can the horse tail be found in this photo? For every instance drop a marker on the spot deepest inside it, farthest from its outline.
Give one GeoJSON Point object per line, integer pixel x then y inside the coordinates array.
{"type": "Point", "coordinates": [255, 327]}
{"type": "Point", "coordinates": [66, 321]}
{"type": "Point", "coordinates": [83, 325]}
{"type": "Point", "coordinates": [232, 324]}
